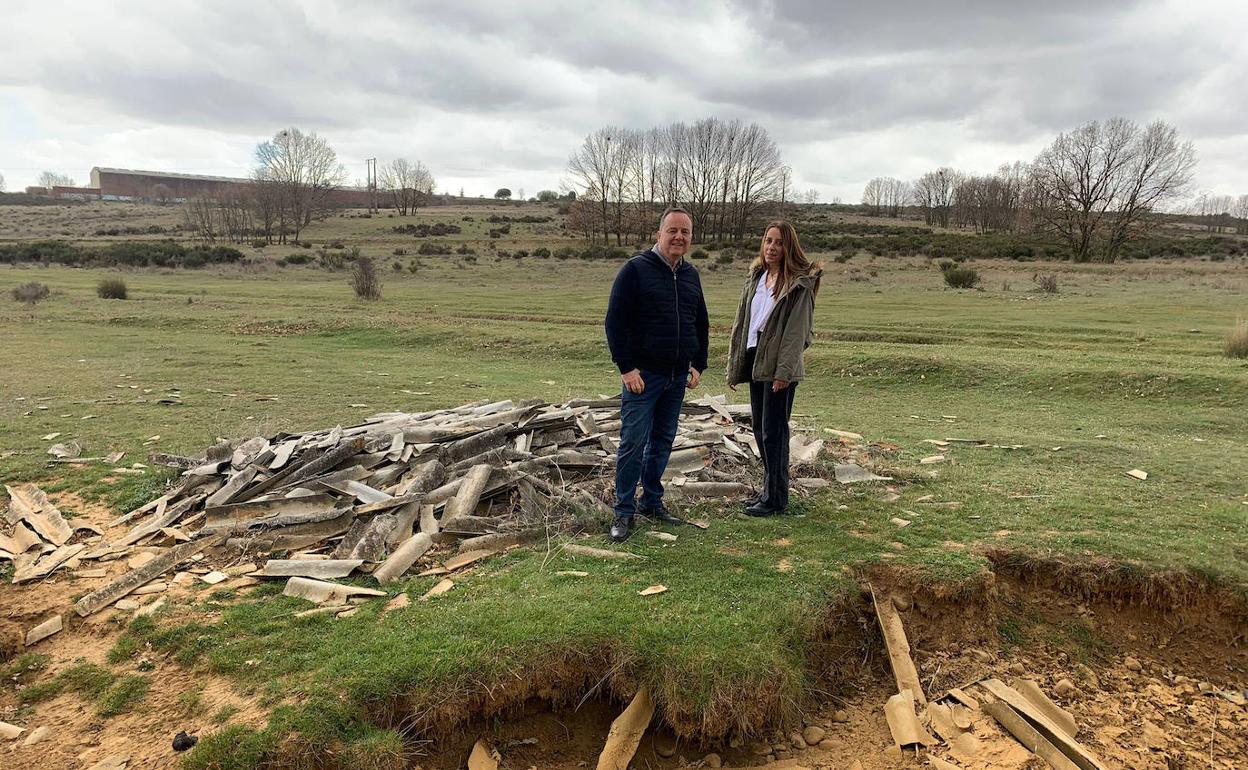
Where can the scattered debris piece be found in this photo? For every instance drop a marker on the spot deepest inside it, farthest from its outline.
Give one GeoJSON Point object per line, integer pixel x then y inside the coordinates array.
{"type": "Point", "coordinates": [932, 459]}
{"type": "Point", "coordinates": [442, 587]}
{"type": "Point", "coordinates": [652, 590]}
{"type": "Point", "coordinates": [483, 756]}
{"type": "Point", "coordinates": [42, 631]}
{"type": "Point", "coordinates": [1136, 473]}
{"type": "Point", "coordinates": [183, 742]}
{"type": "Point", "coordinates": [852, 473]}
{"type": "Point", "coordinates": [902, 722]}
{"type": "Point", "coordinates": [323, 592]}
{"type": "Point", "coordinates": [904, 672]}
{"type": "Point", "coordinates": [10, 732]}
{"type": "Point", "coordinates": [626, 731]}
{"type": "Point", "coordinates": [601, 553]}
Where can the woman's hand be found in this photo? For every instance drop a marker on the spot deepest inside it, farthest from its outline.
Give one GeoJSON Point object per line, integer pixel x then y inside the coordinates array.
{"type": "Point", "coordinates": [779, 385]}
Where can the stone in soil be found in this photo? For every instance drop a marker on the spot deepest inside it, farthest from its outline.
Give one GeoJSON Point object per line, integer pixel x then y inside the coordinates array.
{"type": "Point", "coordinates": [813, 734]}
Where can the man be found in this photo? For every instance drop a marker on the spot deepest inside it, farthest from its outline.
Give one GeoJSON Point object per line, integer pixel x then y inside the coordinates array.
{"type": "Point", "coordinates": [657, 331]}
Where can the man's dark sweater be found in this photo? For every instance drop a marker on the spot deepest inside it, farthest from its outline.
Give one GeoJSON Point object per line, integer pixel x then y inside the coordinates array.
{"type": "Point", "coordinates": [656, 317]}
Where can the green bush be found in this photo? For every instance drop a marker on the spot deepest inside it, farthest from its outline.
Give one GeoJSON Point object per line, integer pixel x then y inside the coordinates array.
{"type": "Point", "coordinates": [958, 277]}
{"type": "Point", "coordinates": [698, 254]}
{"type": "Point", "coordinates": [1236, 344]}
{"type": "Point", "coordinates": [299, 259]}
{"type": "Point", "coordinates": [541, 252]}
{"type": "Point", "coordinates": [111, 288]}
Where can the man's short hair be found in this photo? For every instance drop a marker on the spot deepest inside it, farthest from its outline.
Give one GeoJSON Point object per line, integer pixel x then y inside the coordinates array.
{"type": "Point", "coordinates": [673, 210]}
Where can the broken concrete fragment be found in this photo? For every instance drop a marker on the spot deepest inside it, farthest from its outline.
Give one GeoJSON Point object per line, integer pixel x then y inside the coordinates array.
{"type": "Point", "coordinates": [115, 762]}
{"type": "Point", "coordinates": [652, 590]}
{"type": "Point", "coordinates": [1060, 717]}
{"type": "Point", "coordinates": [852, 473]}
{"type": "Point", "coordinates": [397, 603]}
{"type": "Point", "coordinates": [127, 605]}
{"type": "Point", "coordinates": [123, 585]}
{"type": "Point", "coordinates": [403, 558]}
{"type": "Point", "coordinates": [48, 564]}
{"type": "Point", "coordinates": [1136, 473]}
{"type": "Point", "coordinates": [139, 559]}
{"type": "Point", "coordinates": [28, 503]}
{"type": "Point", "coordinates": [464, 559]}
{"type": "Point", "coordinates": [442, 587]}
{"type": "Point", "coordinates": [42, 631]}
{"type": "Point", "coordinates": [149, 609]}
{"type": "Point", "coordinates": [10, 732]}
{"type": "Point", "coordinates": [214, 577]}
{"type": "Point", "coordinates": [666, 537]}
{"type": "Point", "coordinates": [150, 588]}
{"type": "Point", "coordinates": [36, 735]}
{"type": "Point", "coordinates": [321, 569]}
{"type": "Point", "coordinates": [904, 672]}
{"type": "Point", "coordinates": [932, 459]}
{"type": "Point", "coordinates": [1046, 727]}
{"type": "Point", "coordinates": [584, 550]}
{"type": "Point", "coordinates": [483, 757]}
{"type": "Point", "coordinates": [902, 722]}
{"type": "Point", "coordinates": [1029, 736]}
{"type": "Point", "coordinates": [320, 591]}
{"type": "Point", "coordinates": [626, 732]}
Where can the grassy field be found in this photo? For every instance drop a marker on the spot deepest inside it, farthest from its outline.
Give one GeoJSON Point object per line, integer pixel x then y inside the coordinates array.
{"type": "Point", "coordinates": [1121, 369]}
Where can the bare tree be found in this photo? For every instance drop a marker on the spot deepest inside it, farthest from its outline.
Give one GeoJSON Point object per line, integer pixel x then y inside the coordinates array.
{"type": "Point", "coordinates": [896, 193]}
{"type": "Point", "coordinates": [873, 196]}
{"type": "Point", "coordinates": [811, 196]}
{"type": "Point", "coordinates": [305, 170]}
{"type": "Point", "coordinates": [1096, 185]}
{"type": "Point", "coordinates": [409, 184]}
{"type": "Point", "coordinates": [1239, 211]}
{"type": "Point", "coordinates": [723, 172]}
{"type": "Point", "coordinates": [162, 194]}
{"type": "Point", "coordinates": [50, 179]}
{"type": "Point", "coordinates": [1, 181]}
{"type": "Point", "coordinates": [933, 194]}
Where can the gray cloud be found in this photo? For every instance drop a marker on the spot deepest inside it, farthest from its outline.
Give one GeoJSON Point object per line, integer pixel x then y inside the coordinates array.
{"type": "Point", "coordinates": [489, 89]}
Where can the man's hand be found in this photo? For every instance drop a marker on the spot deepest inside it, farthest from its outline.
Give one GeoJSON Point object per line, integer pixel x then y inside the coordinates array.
{"type": "Point", "coordinates": [694, 377]}
{"type": "Point", "coordinates": [779, 385]}
{"type": "Point", "coordinates": [633, 381]}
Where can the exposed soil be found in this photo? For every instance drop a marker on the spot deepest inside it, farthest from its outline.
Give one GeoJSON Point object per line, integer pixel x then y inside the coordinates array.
{"type": "Point", "coordinates": [1136, 674]}
{"type": "Point", "coordinates": [1136, 654]}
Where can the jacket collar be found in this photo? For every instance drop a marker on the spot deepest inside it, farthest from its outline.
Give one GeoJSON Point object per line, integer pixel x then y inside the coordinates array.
{"type": "Point", "coordinates": [806, 281]}
{"type": "Point", "coordinates": [652, 254]}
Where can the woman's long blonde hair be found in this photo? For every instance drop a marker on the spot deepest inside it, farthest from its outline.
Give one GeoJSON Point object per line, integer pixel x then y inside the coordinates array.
{"type": "Point", "coordinates": [793, 263]}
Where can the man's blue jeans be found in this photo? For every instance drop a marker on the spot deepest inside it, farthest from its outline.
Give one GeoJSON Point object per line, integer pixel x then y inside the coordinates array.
{"type": "Point", "coordinates": [647, 428]}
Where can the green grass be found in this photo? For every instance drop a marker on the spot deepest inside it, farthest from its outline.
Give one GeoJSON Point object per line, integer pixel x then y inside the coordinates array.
{"type": "Point", "coordinates": [729, 643]}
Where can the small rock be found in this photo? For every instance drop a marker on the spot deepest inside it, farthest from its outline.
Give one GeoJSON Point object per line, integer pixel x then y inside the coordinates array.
{"type": "Point", "coordinates": [827, 744]}
{"type": "Point", "coordinates": [857, 765]}
{"type": "Point", "coordinates": [1064, 688]}
{"type": "Point", "coordinates": [980, 655]}
{"type": "Point", "coordinates": [36, 735]}
{"type": "Point", "coordinates": [1088, 675]}
{"type": "Point", "coordinates": [126, 605]}
{"type": "Point", "coordinates": [902, 602]}
{"type": "Point", "coordinates": [781, 754]}
{"type": "Point", "coordinates": [840, 715]}
{"type": "Point", "coordinates": [797, 741]}
{"type": "Point", "coordinates": [1018, 669]}
{"type": "Point", "coordinates": [760, 749]}
{"type": "Point", "coordinates": [182, 741]}
{"type": "Point", "coordinates": [1132, 664]}
{"type": "Point", "coordinates": [665, 744]}
{"type": "Point", "coordinates": [713, 761]}
{"type": "Point", "coordinates": [813, 734]}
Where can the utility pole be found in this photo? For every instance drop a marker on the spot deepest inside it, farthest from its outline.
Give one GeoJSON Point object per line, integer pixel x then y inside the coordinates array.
{"type": "Point", "coordinates": [371, 174]}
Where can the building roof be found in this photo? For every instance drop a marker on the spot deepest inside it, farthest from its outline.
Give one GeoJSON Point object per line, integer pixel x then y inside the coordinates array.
{"type": "Point", "coordinates": [170, 174]}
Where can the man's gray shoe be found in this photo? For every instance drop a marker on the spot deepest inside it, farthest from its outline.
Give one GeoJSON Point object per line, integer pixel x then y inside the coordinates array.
{"type": "Point", "coordinates": [660, 515]}
{"type": "Point", "coordinates": [621, 528]}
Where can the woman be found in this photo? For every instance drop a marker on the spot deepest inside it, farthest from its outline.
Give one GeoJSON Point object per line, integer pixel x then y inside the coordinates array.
{"type": "Point", "coordinates": [774, 325]}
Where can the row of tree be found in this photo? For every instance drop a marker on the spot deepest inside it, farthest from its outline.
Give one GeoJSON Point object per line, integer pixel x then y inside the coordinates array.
{"type": "Point", "coordinates": [293, 184]}
{"type": "Point", "coordinates": [721, 171]}
{"type": "Point", "coordinates": [1221, 213]}
{"type": "Point", "coordinates": [1093, 187]}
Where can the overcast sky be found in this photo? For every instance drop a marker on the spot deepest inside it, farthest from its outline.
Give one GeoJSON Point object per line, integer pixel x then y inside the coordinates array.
{"type": "Point", "coordinates": [493, 94]}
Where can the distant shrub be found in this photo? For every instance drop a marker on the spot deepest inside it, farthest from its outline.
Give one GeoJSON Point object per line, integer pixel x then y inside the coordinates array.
{"type": "Point", "coordinates": [306, 244]}
{"type": "Point", "coordinates": [365, 280]}
{"type": "Point", "coordinates": [111, 288]}
{"type": "Point", "coordinates": [520, 254]}
{"type": "Point", "coordinates": [1047, 283]}
{"type": "Point", "coordinates": [397, 266]}
{"type": "Point", "coordinates": [332, 261]}
{"type": "Point", "coordinates": [336, 245]}
{"type": "Point", "coordinates": [725, 257]}
{"type": "Point", "coordinates": [1236, 344]}
{"type": "Point", "coordinates": [299, 259]}
{"type": "Point", "coordinates": [400, 252]}
{"type": "Point", "coordinates": [433, 249]}
{"type": "Point", "coordinates": [503, 254]}
{"type": "Point", "coordinates": [961, 277]}
{"type": "Point", "coordinates": [259, 243]}
{"type": "Point", "coordinates": [565, 252]}
{"type": "Point", "coordinates": [698, 254]}
{"type": "Point", "coordinates": [465, 249]}
{"type": "Point", "coordinates": [31, 292]}
{"type": "Point", "coordinates": [842, 258]}
{"type": "Point", "coordinates": [541, 252]}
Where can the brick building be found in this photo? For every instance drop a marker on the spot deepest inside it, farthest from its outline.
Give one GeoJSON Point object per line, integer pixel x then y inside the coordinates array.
{"type": "Point", "coordinates": [120, 184]}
